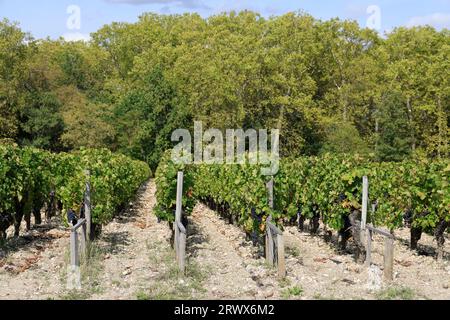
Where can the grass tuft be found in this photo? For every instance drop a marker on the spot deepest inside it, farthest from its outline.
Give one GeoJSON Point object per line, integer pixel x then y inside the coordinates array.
{"type": "Point", "coordinates": [293, 292]}
{"type": "Point", "coordinates": [396, 293]}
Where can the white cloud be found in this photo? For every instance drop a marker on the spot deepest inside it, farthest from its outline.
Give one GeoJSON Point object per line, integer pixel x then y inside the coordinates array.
{"type": "Point", "coordinates": [437, 20]}
{"type": "Point", "coordinates": [76, 36]}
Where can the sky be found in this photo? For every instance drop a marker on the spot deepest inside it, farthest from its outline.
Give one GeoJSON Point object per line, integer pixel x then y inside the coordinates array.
{"type": "Point", "coordinates": [76, 19]}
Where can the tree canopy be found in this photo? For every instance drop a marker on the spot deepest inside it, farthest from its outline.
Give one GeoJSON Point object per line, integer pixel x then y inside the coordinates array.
{"type": "Point", "coordinates": [327, 85]}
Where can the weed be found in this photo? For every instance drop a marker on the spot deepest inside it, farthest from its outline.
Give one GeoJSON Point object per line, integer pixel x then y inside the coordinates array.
{"type": "Point", "coordinates": [284, 283]}
{"type": "Point", "coordinates": [142, 295]}
{"type": "Point", "coordinates": [396, 293]}
{"type": "Point", "coordinates": [293, 251]}
{"type": "Point", "coordinates": [292, 292]}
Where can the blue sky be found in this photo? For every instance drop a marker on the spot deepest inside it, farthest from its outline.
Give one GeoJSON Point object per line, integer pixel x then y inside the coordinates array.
{"type": "Point", "coordinates": [49, 17]}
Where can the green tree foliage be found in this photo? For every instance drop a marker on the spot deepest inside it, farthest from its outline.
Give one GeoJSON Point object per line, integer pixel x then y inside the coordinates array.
{"type": "Point", "coordinates": [146, 117]}
{"type": "Point", "coordinates": [42, 123]}
{"type": "Point", "coordinates": [13, 53]}
{"type": "Point", "coordinates": [321, 83]}
{"type": "Point", "coordinates": [394, 139]}
{"type": "Point", "coordinates": [344, 138]}
{"type": "Point", "coordinates": [416, 70]}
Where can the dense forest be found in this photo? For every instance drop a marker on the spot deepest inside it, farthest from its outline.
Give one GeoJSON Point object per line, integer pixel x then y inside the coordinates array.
{"type": "Point", "coordinates": [330, 86]}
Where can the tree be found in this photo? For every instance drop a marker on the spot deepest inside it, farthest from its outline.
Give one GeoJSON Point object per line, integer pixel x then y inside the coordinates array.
{"type": "Point", "coordinates": [437, 131]}
{"type": "Point", "coordinates": [344, 138]}
{"type": "Point", "coordinates": [86, 123]}
{"type": "Point", "coordinates": [394, 139]}
{"type": "Point", "coordinates": [147, 116]}
{"type": "Point", "coordinates": [412, 53]}
{"type": "Point", "coordinates": [13, 53]}
{"type": "Point", "coordinates": [42, 123]}
{"type": "Point", "coordinates": [327, 85]}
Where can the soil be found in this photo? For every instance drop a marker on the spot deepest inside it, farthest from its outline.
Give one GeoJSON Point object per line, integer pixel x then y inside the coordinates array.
{"type": "Point", "coordinates": [133, 259]}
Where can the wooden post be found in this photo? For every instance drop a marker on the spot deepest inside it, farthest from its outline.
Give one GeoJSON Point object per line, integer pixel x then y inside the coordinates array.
{"type": "Point", "coordinates": [389, 259]}
{"type": "Point", "coordinates": [178, 213]}
{"type": "Point", "coordinates": [369, 248]}
{"type": "Point", "coordinates": [177, 243]}
{"type": "Point", "coordinates": [270, 243]}
{"type": "Point", "coordinates": [182, 252]}
{"type": "Point", "coordinates": [270, 255]}
{"type": "Point", "coordinates": [83, 240]}
{"type": "Point", "coordinates": [281, 257]}
{"type": "Point", "coordinates": [270, 186]}
{"type": "Point", "coordinates": [179, 197]}
{"type": "Point", "coordinates": [87, 207]}
{"type": "Point", "coordinates": [74, 258]}
{"type": "Point", "coordinates": [270, 250]}
{"type": "Point", "coordinates": [365, 201]}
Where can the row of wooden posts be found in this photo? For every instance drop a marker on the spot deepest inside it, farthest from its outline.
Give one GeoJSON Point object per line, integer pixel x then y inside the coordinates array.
{"type": "Point", "coordinates": [275, 253]}
{"type": "Point", "coordinates": [79, 242]}
{"type": "Point", "coordinates": [274, 239]}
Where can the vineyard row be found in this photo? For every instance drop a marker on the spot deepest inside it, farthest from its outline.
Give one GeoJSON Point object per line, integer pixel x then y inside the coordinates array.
{"type": "Point", "coordinates": [327, 188]}
{"type": "Point", "coordinates": [31, 180]}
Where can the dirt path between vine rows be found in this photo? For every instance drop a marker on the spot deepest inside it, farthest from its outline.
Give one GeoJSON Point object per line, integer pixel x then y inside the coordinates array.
{"type": "Point", "coordinates": [233, 268]}
{"type": "Point", "coordinates": [133, 247]}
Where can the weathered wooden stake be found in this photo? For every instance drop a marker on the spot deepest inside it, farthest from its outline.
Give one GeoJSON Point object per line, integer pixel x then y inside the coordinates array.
{"type": "Point", "coordinates": [177, 241]}
{"type": "Point", "coordinates": [83, 240]}
{"type": "Point", "coordinates": [270, 187]}
{"type": "Point", "coordinates": [281, 257]}
{"type": "Point", "coordinates": [365, 201]}
{"type": "Point", "coordinates": [87, 207]}
{"type": "Point", "coordinates": [369, 248]}
{"type": "Point", "coordinates": [182, 251]}
{"type": "Point", "coordinates": [178, 213]}
{"type": "Point", "coordinates": [74, 257]}
{"type": "Point", "coordinates": [389, 259]}
{"type": "Point", "coordinates": [270, 247]}
{"type": "Point", "coordinates": [180, 232]}
{"type": "Point", "coordinates": [179, 197]}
